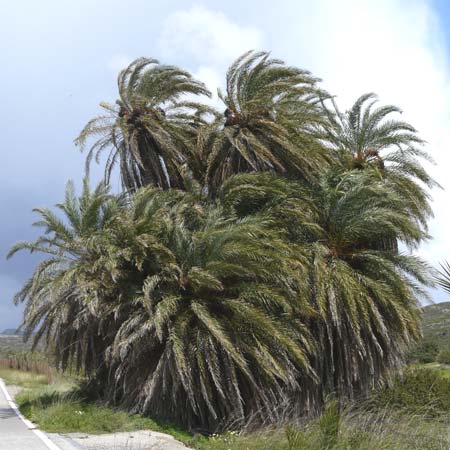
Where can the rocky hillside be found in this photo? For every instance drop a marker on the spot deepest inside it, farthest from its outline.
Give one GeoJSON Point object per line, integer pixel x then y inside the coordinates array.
{"type": "Point", "coordinates": [436, 323]}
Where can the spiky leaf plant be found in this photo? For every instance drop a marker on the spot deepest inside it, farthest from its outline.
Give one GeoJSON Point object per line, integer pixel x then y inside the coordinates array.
{"type": "Point", "coordinates": [215, 334]}
{"type": "Point", "coordinates": [235, 295]}
{"type": "Point", "coordinates": [151, 130]}
{"type": "Point", "coordinates": [366, 293]}
{"type": "Point", "coordinates": [268, 124]}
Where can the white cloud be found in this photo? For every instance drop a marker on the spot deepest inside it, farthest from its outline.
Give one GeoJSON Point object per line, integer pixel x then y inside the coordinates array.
{"type": "Point", "coordinates": [210, 76]}
{"type": "Point", "coordinates": [205, 36]}
{"type": "Point", "coordinates": [213, 79]}
{"type": "Point", "coordinates": [392, 47]}
{"type": "Point", "coordinates": [396, 49]}
{"type": "Point", "coordinates": [118, 62]}
{"type": "Point", "coordinates": [207, 41]}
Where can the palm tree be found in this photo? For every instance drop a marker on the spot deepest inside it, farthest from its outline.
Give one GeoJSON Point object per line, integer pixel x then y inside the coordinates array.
{"type": "Point", "coordinates": [212, 337]}
{"type": "Point", "coordinates": [180, 311]}
{"type": "Point", "coordinates": [268, 124]}
{"type": "Point", "coordinates": [62, 296]}
{"type": "Point", "coordinates": [363, 293]}
{"type": "Point", "coordinates": [366, 294]}
{"type": "Point", "coordinates": [366, 137]}
{"type": "Point", "coordinates": [151, 129]}
{"type": "Point", "coordinates": [268, 281]}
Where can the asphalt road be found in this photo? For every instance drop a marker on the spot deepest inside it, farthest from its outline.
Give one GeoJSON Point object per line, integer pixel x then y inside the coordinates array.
{"type": "Point", "coordinates": [14, 434]}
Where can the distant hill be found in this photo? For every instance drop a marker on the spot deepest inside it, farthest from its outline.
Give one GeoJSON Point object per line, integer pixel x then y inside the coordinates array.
{"type": "Point", "coordinates": [436, 323]}
{"type": "Point", "coordinates": [10, 332]}
{"type": "Point", "coordinates": [12, 343]}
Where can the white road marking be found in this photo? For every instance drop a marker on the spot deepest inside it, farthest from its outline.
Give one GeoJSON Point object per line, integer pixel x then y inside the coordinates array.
{"type": "Point", "coordinates": [30, 425]}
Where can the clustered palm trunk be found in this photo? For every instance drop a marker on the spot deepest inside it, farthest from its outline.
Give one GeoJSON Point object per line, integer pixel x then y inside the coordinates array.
{"type": "Point", "coordinates": [252, 265]}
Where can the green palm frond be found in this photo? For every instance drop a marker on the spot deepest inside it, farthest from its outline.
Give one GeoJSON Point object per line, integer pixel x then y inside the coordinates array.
{"type": "Point", "coordinates": [268, 124]}
{"type": "Point", "coordinates": [443, 278]}
{"type": "Point", "coordinates": [362, 294]}
{"type": "Point", "coordinates": [366, 137]}
{"type": "Point", "coordinates": [151, 130]}
{"type": "Point", "coordinates": [253, 261]}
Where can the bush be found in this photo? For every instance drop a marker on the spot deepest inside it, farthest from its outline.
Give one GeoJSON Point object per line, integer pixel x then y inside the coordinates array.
{"type": "Point", "coordinates": [425, 352]}
{"type": "Point", "coordinates": [345, 430]}
{"type": "Point", "coordinates": [418, 390]}
{"type": "Point", "coordinates": [444, 356]}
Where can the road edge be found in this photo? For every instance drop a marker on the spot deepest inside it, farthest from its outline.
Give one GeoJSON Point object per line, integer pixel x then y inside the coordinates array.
{"type": "Point", "coordinates": [30, 425]}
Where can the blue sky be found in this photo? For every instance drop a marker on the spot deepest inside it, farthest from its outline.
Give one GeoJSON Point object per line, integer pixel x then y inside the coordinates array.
{"type": "Point", "coordinates": [60, 58]}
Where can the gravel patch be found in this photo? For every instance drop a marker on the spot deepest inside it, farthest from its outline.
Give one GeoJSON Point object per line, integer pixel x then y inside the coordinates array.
{"type": "Point", "coordinates": [137, 440]}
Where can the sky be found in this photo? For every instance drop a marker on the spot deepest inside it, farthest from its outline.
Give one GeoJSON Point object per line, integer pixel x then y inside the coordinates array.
{"type": "Point", "coordinates": [60, 58]}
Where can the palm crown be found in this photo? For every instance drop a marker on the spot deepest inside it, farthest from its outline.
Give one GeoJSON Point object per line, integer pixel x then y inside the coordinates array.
{"type": "Point", "coordinates": [366, 137]}
{"type": "Point", "coordinates": [151, 129]}
{"type": "Point", "coordinates": [271, 111]}
{"type": "Point", "coordinates": [366, 293]}
{"type": "Point", "coordinates": [363, 294]}
{"type": "Point", "coordinates": [177, 290]}
{"type": "Point", "coordinates": [61, 294]}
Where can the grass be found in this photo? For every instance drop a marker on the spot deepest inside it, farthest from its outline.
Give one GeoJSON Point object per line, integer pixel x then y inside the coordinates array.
{"type": "Point", "coordinates": [364, 432]}
{"type": "Point", "coordinates": [59, 411]}
{"type": "Point", "coordinates": [28, 380]}
{"type": "Point", "coordinates": [442, 369]}
{"type": "Point", "coordinates": [12, 344]}
{"type": "Point", "coordinates": [63, 411]}
{"type": "Point", "coordinates": [435, 324]}
{"type": "Point", "coordinates": [60, 407]}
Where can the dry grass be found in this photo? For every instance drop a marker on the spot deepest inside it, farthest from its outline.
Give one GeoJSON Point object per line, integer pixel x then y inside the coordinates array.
{"type": "Point", "coordinates": [28, 380]}
{"type": "Point", "coordinates": [34, 363]}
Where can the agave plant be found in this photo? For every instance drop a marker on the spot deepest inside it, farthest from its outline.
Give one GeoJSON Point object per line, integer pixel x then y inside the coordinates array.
{"type": "Point", "coordinates": [271, 113]}
{"type": "Point", "coordinates": [151, 130]}
{"type": "Point", "coordinates": [367, 137]}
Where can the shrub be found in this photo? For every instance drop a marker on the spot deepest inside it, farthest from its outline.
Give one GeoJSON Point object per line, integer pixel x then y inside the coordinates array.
{"type": "Point", "coordinates": [418, 390]}
{"type": "Point", "coordinates": [444, 356]}
{"type": "Point", "coordinates": [425, 352]}
{"type": "Point", "coordinates": [356, 430]}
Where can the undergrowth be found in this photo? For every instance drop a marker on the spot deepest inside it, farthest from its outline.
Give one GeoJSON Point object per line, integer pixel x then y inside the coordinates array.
{"type": "Point", "coordinates": [396, 418]}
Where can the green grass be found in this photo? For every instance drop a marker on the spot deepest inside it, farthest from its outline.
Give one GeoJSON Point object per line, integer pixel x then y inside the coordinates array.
{"type": "Point", "coordinates": [60, 407]}
{"type": "Point", "coordinates": [442, 369]}
{"type": "Point", "coordinates": [381, 431]}
{"type": "Point", "coordinates": [57, 411]}
{"type": "Point", "coordinates": [12, 345]}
